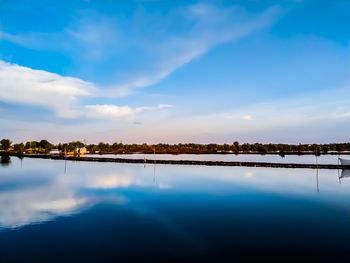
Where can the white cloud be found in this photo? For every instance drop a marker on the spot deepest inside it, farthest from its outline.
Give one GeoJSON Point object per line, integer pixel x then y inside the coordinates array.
{"type": "Point", "coordinates": [62, 95]}
{"type": "Point", "coordinates": [114, 111]}
{"type": "Point", "coordinates": [27, 86]}
{"type": "Point", "coordinates": [247, 117]}
{"type": "Point", "coordinates": [112, 181]}
{"type": "Point", "coordinates": [59, 205]}
{"type": "Point", "coordinates": [163, 106]}
{"type": "Point", "coordinates": [244, 117]}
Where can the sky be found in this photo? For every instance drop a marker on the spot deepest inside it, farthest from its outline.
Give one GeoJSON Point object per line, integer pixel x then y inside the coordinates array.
{"type": "Point", "coordinates": [175, 71]}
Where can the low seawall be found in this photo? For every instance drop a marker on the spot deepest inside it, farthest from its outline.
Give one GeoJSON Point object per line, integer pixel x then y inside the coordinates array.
{"type": "Point", "coordinates": [183, 162]}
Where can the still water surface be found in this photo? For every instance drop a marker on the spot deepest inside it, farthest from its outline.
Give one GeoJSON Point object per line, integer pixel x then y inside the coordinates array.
{"type": "Point", "coordinates": [270, 158]}
{"type": "Point", "coordinates": [57, 211]}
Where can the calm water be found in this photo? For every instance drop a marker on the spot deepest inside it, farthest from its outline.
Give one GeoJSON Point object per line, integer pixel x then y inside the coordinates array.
{"type": "Point", "coordinates": [273, 158]}
{"type": "Point", "coordinates": [57, 211]}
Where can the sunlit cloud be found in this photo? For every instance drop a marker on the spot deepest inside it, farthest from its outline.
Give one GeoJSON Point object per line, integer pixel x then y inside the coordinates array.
{"type": "Point", "coordinates": [62, 95]}
{"type": "Point", "coordinates": [247, 117]}
{"type": "Point", "coordinates": [164, 106]}
{"type": "Point", "coordinates": [59, 205]}
{"type": "Point", "coordinates": [113, 181]}
{"type": "Point", "coordinates": [248, 174]}
{"type": "Point", "coordinates": [114, 111]}
{"type": "Point", "coordinates": [25, 86]}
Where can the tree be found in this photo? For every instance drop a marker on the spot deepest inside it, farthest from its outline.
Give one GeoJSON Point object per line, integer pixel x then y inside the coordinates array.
{"type": "Point", "coordinates": [32, 144]}
{"type": "Point", "coordinates": [45, 144]}
{"type": "Point", "coordinates": [5, 144]}
{"type": "Point", "coordinates": [19, 147]}
{"type": "Point", "coordinates": [236, 144]}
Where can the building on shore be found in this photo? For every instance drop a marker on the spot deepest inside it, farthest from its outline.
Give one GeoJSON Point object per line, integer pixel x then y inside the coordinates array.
{"type": "Point", "coordinates": [80, 150]}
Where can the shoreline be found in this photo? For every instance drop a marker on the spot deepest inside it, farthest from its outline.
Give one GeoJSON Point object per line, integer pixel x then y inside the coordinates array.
{"type": "Point", "coordinates": [180, 162]}
{"type": "Point", "coordinates": [225, 153]}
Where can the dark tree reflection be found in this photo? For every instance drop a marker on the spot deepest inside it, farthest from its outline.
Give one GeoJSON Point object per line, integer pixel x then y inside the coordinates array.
{"type": "Point", "coordinates": [5, 160]}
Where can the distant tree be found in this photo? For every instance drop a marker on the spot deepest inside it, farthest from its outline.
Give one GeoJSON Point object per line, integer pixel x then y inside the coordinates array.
{"type": "Point", "coordinates": [226, 147]}
{"type": "Point", "coordinates": [262, 148]}
{"type": "Point", "coordinates": [212, 147]}
{"type": "Point", "coordinates": [236, 144]}
{"type": "Point", "coordinates": [32, 144]}
{"type": "Point", "coordinates": [325, 149]}
{"type": "Point", "coordinates": [19, 147]}
{"type": "Point", "coordinates": [116, 147]}
{"type": "Point", "coordinates": [317, 150]}
{"type": "Point", "coordinates": [92, 148]}
{"type": "Point", "coordinates": [339, 148]}
{"type": "Point", "coordinates": [5, 144]}
{"type": "Point", "coordinates": [234, 149]}
{"type": "Point", "coordinates": [245, 147]}
{"type": "Point", "coordinates": [45, 144]}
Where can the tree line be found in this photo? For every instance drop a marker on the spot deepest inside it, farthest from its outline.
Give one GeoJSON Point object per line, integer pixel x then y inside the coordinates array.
{"type": "Point", "coordinates": [44, 146]}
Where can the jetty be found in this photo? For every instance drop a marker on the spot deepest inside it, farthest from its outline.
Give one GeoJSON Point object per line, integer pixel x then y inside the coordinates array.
{"type": "Point", "coordinates": [180, 162]}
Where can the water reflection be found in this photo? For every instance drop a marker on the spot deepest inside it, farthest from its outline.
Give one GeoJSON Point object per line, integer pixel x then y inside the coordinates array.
{"type": "Point", "coordinates": [5, 160]}
{"type": "Point", "coordinates": [307, 158]}
{"type": "Point", "coordinates": [41, 191]}
{"type": "Point", "coordinates": [159, 210]}
{"type": "Point", "coordinates": [318, 187]}
{"type": "Point", "coordinates": [345, 173]}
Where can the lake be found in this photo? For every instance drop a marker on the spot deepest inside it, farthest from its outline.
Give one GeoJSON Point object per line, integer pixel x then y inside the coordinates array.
{"type": "Point", "coordinates": [65, 211]}
{"type": "Point", "coordinates": [270, 158]}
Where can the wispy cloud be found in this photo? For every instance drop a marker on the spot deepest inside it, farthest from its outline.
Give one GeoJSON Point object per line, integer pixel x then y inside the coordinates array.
{"type": "Point", "coordinates": [210, 26]}
{"type": "Point", "coordinates": [159, 49]}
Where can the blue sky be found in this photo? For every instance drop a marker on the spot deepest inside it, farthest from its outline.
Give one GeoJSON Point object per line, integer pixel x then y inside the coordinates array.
{"type": "Point", "coordinates": [175, 71]}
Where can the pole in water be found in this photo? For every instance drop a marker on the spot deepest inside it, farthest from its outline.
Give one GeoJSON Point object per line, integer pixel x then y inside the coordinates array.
{"type": "Point", "coordinates": [154, 153]}
{"type": "Point", "coordinates": [338, 170]}
{"type": "Point", "coordinates": [318, 189]}
{"type": "Point", "coordinates": [154, 173]}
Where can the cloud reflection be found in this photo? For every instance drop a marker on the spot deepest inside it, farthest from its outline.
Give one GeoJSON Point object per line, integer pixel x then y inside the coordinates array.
{"type": "Point", "coordinates": [50, 194]}
{"type": "Point", "coordinates": [40, 190]}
